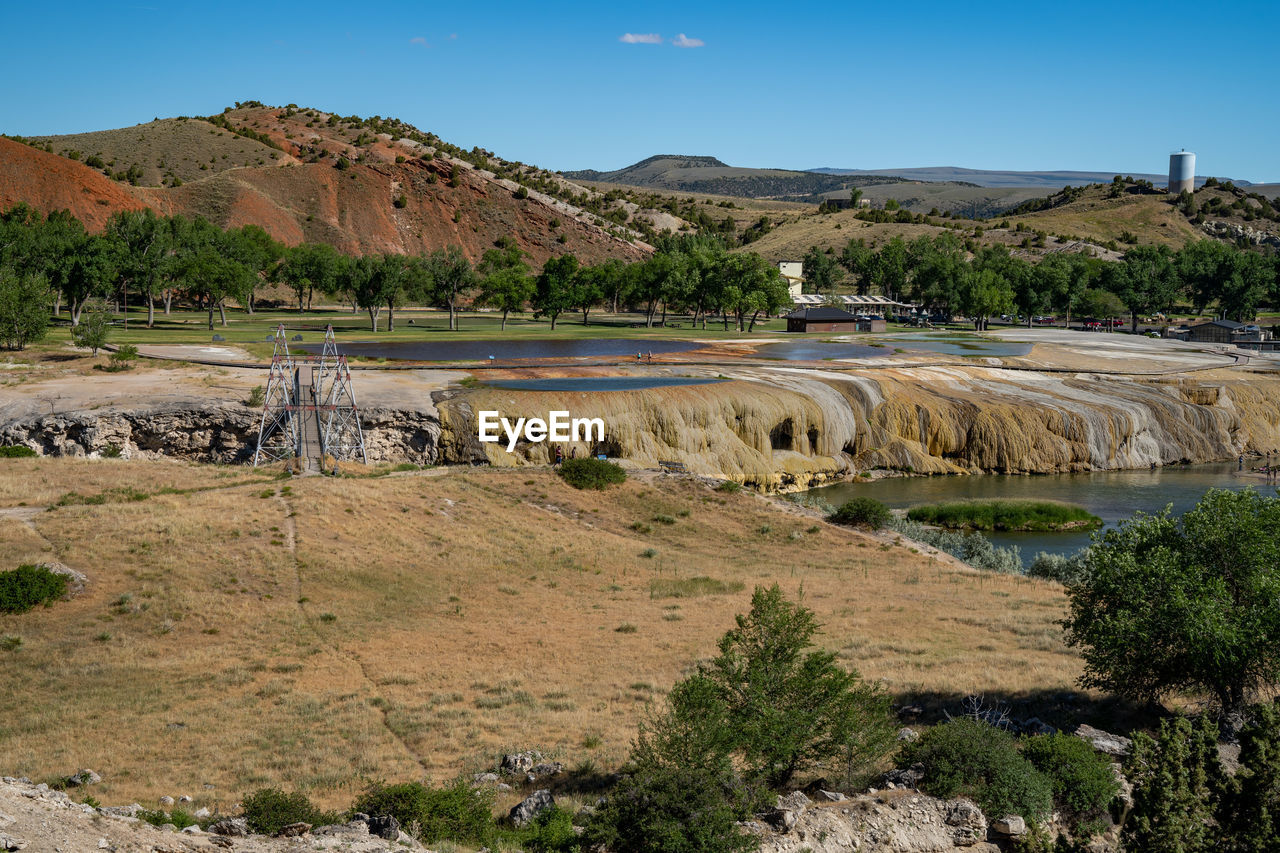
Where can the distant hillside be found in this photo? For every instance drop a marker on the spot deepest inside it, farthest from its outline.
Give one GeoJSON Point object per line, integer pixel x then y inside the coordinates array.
{"type": "Point", "coordinates": [1054, 179]}
{"type": "Point", "coordinates": [709, 176]}
{"type": "Point", "coordinates": [361, 185]}
{"type": "Point", "coordinates": [49, 182]}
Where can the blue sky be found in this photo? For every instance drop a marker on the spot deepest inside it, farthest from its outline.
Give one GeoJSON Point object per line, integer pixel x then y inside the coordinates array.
{"type": "Point", "coordinates": [1026, 85]}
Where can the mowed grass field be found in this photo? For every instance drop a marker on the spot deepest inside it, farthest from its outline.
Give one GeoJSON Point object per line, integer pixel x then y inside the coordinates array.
{"type": "Point", "coordinates": [319, 633]}
{"type": "Point", "coordinates": [250, 331]}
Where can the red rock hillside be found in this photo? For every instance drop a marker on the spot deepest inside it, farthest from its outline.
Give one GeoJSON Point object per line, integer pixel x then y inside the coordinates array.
{"type": "Point", "coordinates": [335, 182]}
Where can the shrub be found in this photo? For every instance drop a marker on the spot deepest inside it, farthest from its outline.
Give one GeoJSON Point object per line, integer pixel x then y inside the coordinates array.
{"type": "Point", "coordinates": [1082, 782]}
{"type": "Point", "coordinates": [729, 487]}
{"type": "Point", "coordinates": [16, 451]}
{"type": "Point", "coordinates": [1061, 568]}
{"type": "Point", "coordinates": [455, 812]}
{"type": "Point", "coordinates": [862, 512]}
{"type": "Point", "coordinates": [269, 810]}
{"type": "Point", "coordinates": [673, 810]}
{"type": "Point", "coordinates": [124, 354]}
{"type": "Point", "coordinates": [590, 473]}
{"type": "Point", "coordinates": [27, 586]}
{"type": "Point", "coordinates": [177, 817]}
{"type": "Point", "coordinates": [551, 832]}
{"type": "Point", "coordinates": [970, 758]}
{"type": "Point", "coordinates": [256, 397]}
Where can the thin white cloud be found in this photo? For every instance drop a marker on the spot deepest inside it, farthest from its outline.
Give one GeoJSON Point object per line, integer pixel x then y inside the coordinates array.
{"type": "Point", "coordinates": [640, 38]}
{"type": "Point", "coordinates": [683, 40]}
{"type": "Point", "coordinates": [419, 40]}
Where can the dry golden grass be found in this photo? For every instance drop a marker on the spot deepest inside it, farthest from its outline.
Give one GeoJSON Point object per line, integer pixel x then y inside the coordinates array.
{"type": "Point", "coordinates": [410, 626]}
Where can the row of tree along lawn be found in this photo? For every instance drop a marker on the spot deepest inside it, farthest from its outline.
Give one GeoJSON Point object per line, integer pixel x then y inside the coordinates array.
{"type": "Point", "coordinates": [157, 259]}
{"type": "Point", "coordinates": [942, 273]}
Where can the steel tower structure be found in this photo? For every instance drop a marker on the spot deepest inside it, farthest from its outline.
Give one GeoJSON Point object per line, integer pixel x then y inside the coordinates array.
{"type": "Point", "coordinates": [309, 409]}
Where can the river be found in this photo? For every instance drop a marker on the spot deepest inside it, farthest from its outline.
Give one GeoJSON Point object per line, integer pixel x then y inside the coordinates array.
{"type": "Point", "coordinates": [1110, 495]}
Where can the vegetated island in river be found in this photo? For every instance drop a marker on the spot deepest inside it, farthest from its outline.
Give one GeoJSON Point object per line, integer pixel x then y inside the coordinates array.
{"type": "Point", "coordinates": [1001, 514]}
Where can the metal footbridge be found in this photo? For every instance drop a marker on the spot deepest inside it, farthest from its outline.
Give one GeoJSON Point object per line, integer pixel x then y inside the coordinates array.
{"type": "Point", "coordinates": [309, 410]}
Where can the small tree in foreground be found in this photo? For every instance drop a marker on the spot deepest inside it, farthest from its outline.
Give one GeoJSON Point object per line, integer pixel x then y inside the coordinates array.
{"type": "Point", "coordinates": [1184, 604]}
{"type": "Point", "coordinates": [771, 704]}
{"type": "Point", "coordinates": [95, 324]}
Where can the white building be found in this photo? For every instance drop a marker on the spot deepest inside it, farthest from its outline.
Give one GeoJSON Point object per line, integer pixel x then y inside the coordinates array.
{"type": "Point", "coordinates": [793, 272]}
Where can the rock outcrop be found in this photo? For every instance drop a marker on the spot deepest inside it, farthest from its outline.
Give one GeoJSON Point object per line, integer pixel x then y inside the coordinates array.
{"type": "Point", "coordinates": [890, 822]}
{"type": "Point", "coordinates": [776, 430]}
{"type": "Point", "coordinates": [225, 433]}
{"type": "Point", "coordinates": [35, 818]}
{"type": "Point", "coordinates": [793, 429]}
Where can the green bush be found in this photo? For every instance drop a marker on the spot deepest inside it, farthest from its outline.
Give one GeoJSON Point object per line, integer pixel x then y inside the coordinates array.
{"type": "Point", "coordinates": [590, 473]}
{"type": "Point", "coordinates": [1082, 781]}
{"type": "Point", "coordinates": [27, 586]}
{"type": "Point", "coordinates": [551, 832]}
{"type": "Point", "coordinates": [970, 758]}
{"type": "Point", "coordinates": [269, 810]}
{"type": "Point", "coordinates": [16, 451]}
{"type": "Point", "coordinates": [862, 512]}
{"type": "Point", "coordinates": [673, 810]}
{"type": "Point", "coordinates": [455, 812]}
{"type": "Point", "coordinates": [177, 817]}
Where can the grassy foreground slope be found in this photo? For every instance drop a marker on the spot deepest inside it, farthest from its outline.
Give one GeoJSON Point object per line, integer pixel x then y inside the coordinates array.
{"type": "Point", "coordinates": [317, 633]}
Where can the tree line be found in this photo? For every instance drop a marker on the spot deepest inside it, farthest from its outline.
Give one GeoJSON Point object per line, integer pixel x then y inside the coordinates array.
{"type": "Point", "coordinates": [53, 260]}
{"type": "Point", "coordinates": [944, 274]}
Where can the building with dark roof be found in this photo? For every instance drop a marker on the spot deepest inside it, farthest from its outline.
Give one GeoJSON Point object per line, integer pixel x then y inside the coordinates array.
{"type": "Point", "coordinates": [825, 318]}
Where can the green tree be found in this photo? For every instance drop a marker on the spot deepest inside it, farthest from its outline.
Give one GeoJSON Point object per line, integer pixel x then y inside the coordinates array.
{"type": "Point", "coordinates": [1145, 281]}
{"type": "Point", "coordinates": [859, 259]}
{"type": "Point", "coordinates": [370, 279]}
{"type": "Point", "coordinates": [452, 278]}
{"type": "Point", "coordinates": [1100, 303]}
{"type": "Point", "coordinates": [505, 283]}
{"type": "Point", "coordinates": [588, 289]}
{"type": "Point", "coordinates": [1248, 286]}
{"type": "Point", "coordinates": [307, 268]}
{"type": "Point", "coordinates": [983, 292]}
{"type": "Point", "coordinates": [553, 290]}
{"type": "Point", "coordinates": [142, 242]}
{"type": "Point", "coordinates": [1184, 604]}
{"type": "Point", "coordinates": [822, 272]}
{"type": "Point", "coordinates": [775, 704]}
{"type": "Point", "coordinates": [936, 269]}
{"type": "Point", "coordinates": [1252, 817]}
{"type": "Point", "coordinates": [1177, 784]}
{"type": "Point", "coordinates": [24, 308]}
{"type": "Point", "coordinates": [257, 253]}
{"type": "Point", "coordinates": [1203, 266]}
{"type": "Point", "coordinates": [889, 272]}
{"type": "Point", "coordinates": [94, 327]}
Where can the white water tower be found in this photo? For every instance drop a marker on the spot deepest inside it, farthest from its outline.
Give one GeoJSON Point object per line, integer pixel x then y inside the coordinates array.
{"type": "Point", "coordinates": [1182, 171]}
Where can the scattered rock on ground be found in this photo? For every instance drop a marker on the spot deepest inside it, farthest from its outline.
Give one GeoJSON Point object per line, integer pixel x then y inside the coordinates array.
{"type": "Point", "coordinates": [523, 812]}
{"type": "Point", "coordinates": [86, 776]}
{"type": "Point", "coordinates": [893, 821]}
{"type": "Point", "coordinates": [384, 826]}
{"type": "Point", "coordinates": [1117, 745]}
{"type": "Point", "coordinates": [1010, 825]}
